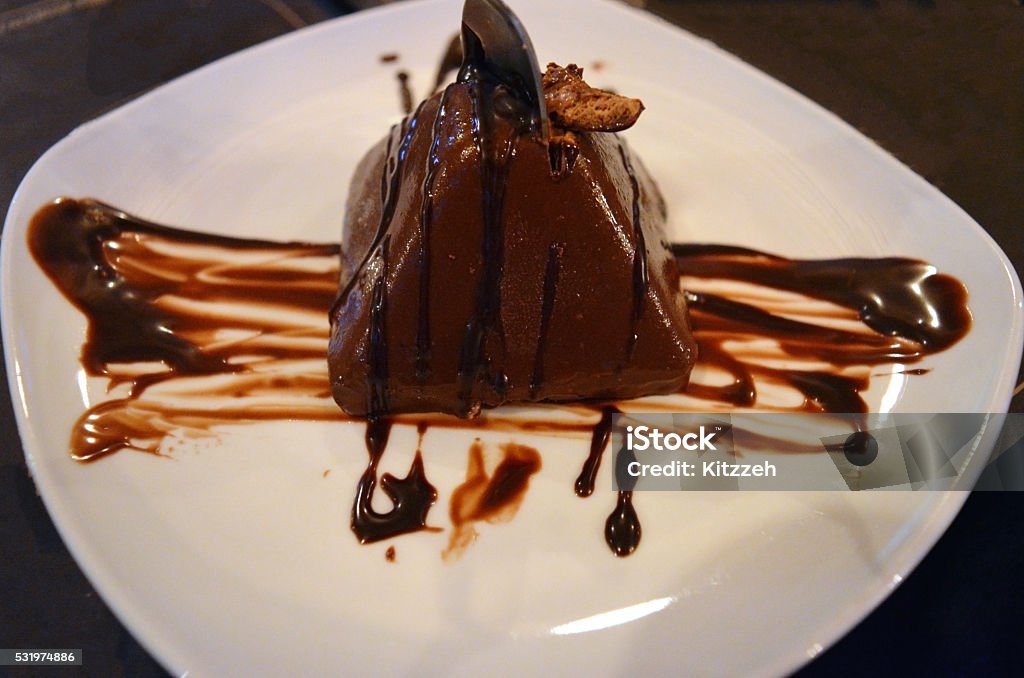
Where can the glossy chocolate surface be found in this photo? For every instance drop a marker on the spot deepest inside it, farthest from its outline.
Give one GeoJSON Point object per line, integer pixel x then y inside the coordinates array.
{"type": "Point", "coordinates": [483, 277]}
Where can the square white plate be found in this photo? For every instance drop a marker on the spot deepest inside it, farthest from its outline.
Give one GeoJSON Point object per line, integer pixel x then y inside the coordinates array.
{"type": "Point", "coordinates": [237, 558]}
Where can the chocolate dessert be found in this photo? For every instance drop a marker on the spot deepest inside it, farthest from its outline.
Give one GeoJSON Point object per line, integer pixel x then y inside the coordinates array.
{"type": "Point", "coordinates": [484, 264]}
{"type": "Point", "coordinates": [501, 245]}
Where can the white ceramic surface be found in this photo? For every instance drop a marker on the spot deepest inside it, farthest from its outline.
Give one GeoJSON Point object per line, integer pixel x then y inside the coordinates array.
{"type": "Point", "coordinates": [235, 557]}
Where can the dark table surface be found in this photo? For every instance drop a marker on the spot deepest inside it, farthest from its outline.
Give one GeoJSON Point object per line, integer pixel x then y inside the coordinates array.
{"type": "Point", "coordinates": [938, 84]}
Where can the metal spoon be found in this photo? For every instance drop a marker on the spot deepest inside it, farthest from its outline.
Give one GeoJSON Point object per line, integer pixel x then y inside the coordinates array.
{"type": "Point", "coordinates": [494, 39]}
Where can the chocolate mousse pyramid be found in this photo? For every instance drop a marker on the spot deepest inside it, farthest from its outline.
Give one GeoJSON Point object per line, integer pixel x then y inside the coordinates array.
{"type": "Point", "coordinates": [484, 264]}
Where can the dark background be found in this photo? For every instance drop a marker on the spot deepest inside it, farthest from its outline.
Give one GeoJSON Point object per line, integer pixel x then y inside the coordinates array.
{"type": "Point", "coordinates": [938, 84]}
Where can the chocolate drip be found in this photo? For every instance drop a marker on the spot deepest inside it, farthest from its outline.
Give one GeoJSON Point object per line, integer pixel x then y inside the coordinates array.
{"type": "Point", "coordinates": [641, 277]}
{"type": "Point", "coordinates": [411, 496]}
{"type": "Point", "coordinates": [741, 392]}
{"type": "Point", "coordinates": [390, 183]}
{"type": "Point", "coordinates": [496, 146]}
{"type": "Point", "coordinates": [547, 306]}
{"type": "Point", "coordinates": [377, 376]}
{"type": "Point", "coordinates": [622, 529]}
{"type": "Point", "coordinates": [562, 155]}
{"type": "Point", "coordinates": [391, 179]}
{"type": "Point", "coordinates": [599, 437]}
{"type": "Point", "coordinates": [426, 215]}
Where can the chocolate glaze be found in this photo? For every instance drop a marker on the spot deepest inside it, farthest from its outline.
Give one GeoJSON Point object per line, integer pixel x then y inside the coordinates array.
{"type": "Point", "coordinates": [496, 145]}
{"type": "Point", "coordinates": [117, 270]}
{"type": "Point", "coordinates": [465, 284]}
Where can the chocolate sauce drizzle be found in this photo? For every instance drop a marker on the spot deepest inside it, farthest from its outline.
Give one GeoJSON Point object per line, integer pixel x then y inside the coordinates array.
{"type": "Point", "coordinates": [555, 252]}
{"type": "Point", "coordinates": [496, 149]}
{"type": "Point", "coordinates": [119, 272]}
{"type": "Point", "coordinates": [377, 378]}
{"type": "Point", "coordinates": [426, 216]}
{"type": "Point", "coordinates": [897, 297]}
{"type": "Point", "coordinates": [411, 496]}
{"type": "Point", "coordinates": [641, 278]}
{"type": "Point", "coordinates": [622, 528]}
{"type": "Point", "coordinates": [598, 442]}
{"type": "Point", "coordinates": [390, 182]}
{"type": "Point", "coordinates": [562, 156]}
{"type": "Point", "coordinates": [94, 254]}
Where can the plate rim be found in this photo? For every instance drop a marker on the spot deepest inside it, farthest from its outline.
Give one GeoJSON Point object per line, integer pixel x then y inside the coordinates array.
{"type": "Point", "coordinates": [118, 599]}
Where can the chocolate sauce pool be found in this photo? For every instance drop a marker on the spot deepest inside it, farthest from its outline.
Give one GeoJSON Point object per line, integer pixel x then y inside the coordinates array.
{"type": "Point", "coordinates": [128, 277]}
{"type": "Point", "coordinates": [491, 498]}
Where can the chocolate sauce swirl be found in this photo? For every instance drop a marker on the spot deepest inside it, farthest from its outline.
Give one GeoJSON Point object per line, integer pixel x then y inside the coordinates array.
{"type": "Point", "coordinates": [895, 296]}
{"type": "Point", "coordinates": [105, 264]}
{"type": "Point", "coordinates": [125, 275]}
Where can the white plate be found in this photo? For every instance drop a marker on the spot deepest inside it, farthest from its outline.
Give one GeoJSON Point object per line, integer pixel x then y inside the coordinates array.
{"type": "Point", "coordinates": [237, 558]}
